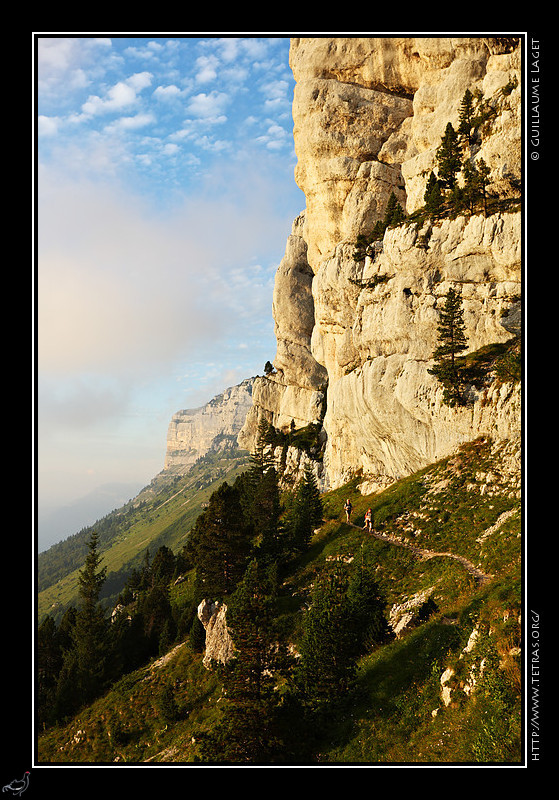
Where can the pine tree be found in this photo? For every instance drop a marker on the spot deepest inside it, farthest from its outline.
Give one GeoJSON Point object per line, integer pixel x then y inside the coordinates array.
{"type": "Point", "coordinates": [266, 510]}
{"type": "Point", "coordinates": [471, 186]}
{"type": "Point", "coordinates": [306, 512]}
{"type": "Point", "coordinates": [393, 213]}
{"type": "Point", "coordinates": [85, 669]}
{"type": "Point", "coordinates": [247, 731]}
{"type": "Point", "coordinates": [59, 699]}
{"type": "Point", "coordinates": [250, 620]}
{"type": "Point", "coordinates": [159, 625]}
{"type": "Point", "coordinates": [466, 124]}
{"type": "Point", "coordinates": [163, 566]}
{"type": "Point", "coordinates": [91, 625]}
{"type": "Point", "coordinates": [449, 157]}
{"type": "Point", "coordinates": [130, 646]}
{"type": "Point", "coordinates": [311, 496]}
{"type": "Point", "coordinates": [483, 173]}
{"type": "Point", "coordinates": [367, 618]}
{"type": "Point", "coordinates": [261, 458]}
{"type": "Point", "coordinates": [91, 578]}
{"type": "Point", "coordinates": [197, 635]}
{"type": "Point", "coordinates": [222, 542]}
{"type": "Point", "coordinates": [49, 663]}
{"type": "Point", "coordinates": [457, 201]}
{"type": "Point", "coordinates": [476, 178]}
{"type": "Point", "coordinates": [166, 704]}
{"type": "Point", "coordinates": [260, 494]}
{"type": "Point", "coordinates": [451, 342]}
{"type": "Point", "coordinates": [327, 664]}
{"type": "Point", "coordinates": [433, 196]}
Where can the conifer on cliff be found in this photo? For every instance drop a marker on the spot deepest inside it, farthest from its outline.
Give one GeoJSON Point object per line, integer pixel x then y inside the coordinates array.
{"type": "Point", "coordinates": [451, 342]}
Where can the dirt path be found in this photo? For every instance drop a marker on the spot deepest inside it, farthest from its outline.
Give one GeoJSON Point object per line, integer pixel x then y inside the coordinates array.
{"type": "Point", "coordinates": [480, 576]}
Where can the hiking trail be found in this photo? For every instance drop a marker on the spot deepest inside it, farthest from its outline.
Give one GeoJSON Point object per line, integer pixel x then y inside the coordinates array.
{"type": "Point", "coordinates": [480, 576]}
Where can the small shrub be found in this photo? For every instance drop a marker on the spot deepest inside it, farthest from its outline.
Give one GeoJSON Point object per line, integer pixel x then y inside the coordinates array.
{"type": "Point", "coordinates": [167, 706]}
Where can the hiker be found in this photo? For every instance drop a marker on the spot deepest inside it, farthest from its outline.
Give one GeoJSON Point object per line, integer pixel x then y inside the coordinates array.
{"type": "Point", "coordinates": [368, 520]}
{"type": "Point", "coordinates": [348, 508]}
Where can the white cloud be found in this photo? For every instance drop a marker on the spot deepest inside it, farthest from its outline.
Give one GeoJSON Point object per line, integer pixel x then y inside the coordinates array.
{"type": "Point", "coordinates": [131, 123]}
{"type": "Point", "coordinates": [140, 80]}
{"type": "Point", "coordinates": [120, 96]}
{"type": "Point", "coordinates": [207, 69]}
{"type": "Point", "coordinates": [122, 289]}
{"type": "Point", "coordinates": [228, 48]}
{"type": "Point", "coordinates": [167, 92]}
{"type": "Point", "coordinates": [153, 51]}
{"type": "Point", "coordinates": [47, 126]}
{"type": "Point", "coordinates": [209, 106]}
{"type": "Point", "coordinates": [211, 145]}
{"type": "Point", "coordinates": [68, 61]}
{"type": "Point", "coordinates": [234, 48]}
{"type": "Point", "coordinates": [235, 76]}
{"type": "Point", "coordinates": [275, 137]}
{"type": "Point", "coordinates": [275, 93]}
{"type": "Point", "coordinates": [255, 49]}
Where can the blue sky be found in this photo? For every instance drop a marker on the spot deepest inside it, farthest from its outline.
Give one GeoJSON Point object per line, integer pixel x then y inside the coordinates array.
{"type": "Point", "coordinates": [165, 194]}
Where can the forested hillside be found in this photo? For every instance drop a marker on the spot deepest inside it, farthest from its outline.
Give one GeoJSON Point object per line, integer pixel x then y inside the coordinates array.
{"type": "Point", "coordinates": [161, 514]}
{"type": "Point", "coordinates": [351, 646]}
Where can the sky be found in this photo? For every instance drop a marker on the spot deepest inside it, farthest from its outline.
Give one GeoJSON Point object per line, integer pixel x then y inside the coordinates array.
{"type": "Point", "coordinates": [165, 193]}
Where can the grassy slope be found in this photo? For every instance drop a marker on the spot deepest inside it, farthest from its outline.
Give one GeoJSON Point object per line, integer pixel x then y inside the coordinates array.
{"type": "Point", "coordinates": [164, 519]}
{"type": "Point", "coordinates": [397, 714]}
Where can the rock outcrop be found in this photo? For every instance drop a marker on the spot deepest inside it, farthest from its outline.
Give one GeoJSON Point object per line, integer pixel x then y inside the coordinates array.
{"type": "Point", "coordinates": [296, 389]}
{"type": "Point", "coordinates": [355, 338]}
{"type": "Point", "coordinates": [219, 645]}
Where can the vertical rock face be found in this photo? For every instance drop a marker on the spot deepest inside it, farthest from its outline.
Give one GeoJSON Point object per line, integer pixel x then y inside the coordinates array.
{"type": "Point", "coordinates": [295, 390]}
{"type": "Point", "coordinates": [385, 412]}
{"type": "Point", "coordinates": [369, 114]}
{"type": "Point", "coordinates": [355, 338]}
{"type": "Point", "coordinates": [192, 433]}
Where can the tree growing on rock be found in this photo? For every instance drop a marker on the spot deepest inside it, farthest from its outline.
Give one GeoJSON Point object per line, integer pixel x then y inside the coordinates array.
{"type": "Point", "coordinates": [433, 197]}
{"type": "Point", "coordinates": [467, 120]}
{"type": "Point", "coordinates": [451, 342]}
{"type": "Point", "coordinates": [449, 157]}
{"type": "Point", "coordinates": [394, 213]}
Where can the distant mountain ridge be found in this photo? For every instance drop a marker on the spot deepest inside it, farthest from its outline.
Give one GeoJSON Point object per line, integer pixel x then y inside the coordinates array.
{"type": "Point", "coordinates": [163, 513]}
{"type": "Point", "coordinates": [192, 433]}
{"type": "Point", "coordinates": [57, 524]}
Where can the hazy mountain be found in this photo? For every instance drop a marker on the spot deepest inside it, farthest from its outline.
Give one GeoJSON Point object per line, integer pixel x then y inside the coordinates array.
{"type": "Point", "coordinates": [56, 524]}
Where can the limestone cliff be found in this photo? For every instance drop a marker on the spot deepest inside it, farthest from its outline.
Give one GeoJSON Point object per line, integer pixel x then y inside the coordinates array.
{"type": "Point", "coordinates": [192, 433]}
{"type": "Point", "coordinates": [355, 338]}
{"type": "Point", "coordinates": [296, 390]}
